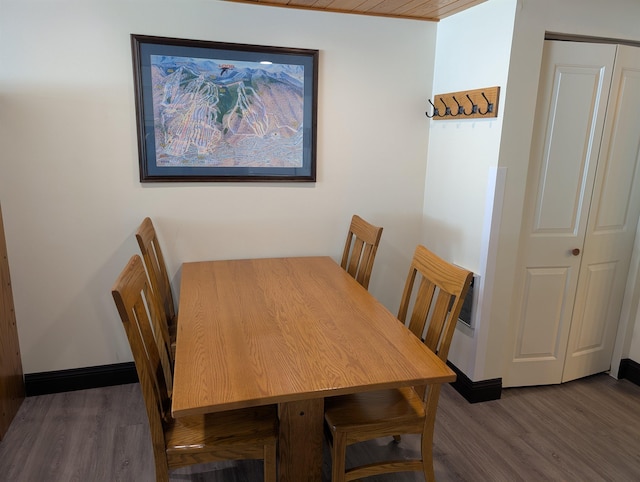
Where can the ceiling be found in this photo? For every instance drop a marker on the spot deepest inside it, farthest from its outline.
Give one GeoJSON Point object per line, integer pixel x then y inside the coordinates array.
{"type": "Point", "coordinates": [431, 10]}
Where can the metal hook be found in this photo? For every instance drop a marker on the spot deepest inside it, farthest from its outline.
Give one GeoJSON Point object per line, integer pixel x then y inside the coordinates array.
{"type": "Point", "coordinates": [447, 109]}
{"type": "Point", "coordinates": [436, 113]}
{"type": "Point", "coordinates": [474, 107]}
{"type": "Point", "coordinates": [460, 108]}
{"type": "Point", "coordinates": [489, 106]}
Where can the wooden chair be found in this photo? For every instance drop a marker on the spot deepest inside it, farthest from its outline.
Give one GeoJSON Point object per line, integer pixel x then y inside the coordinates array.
{"type": "Point", "coordinates": [237, 434]}
{"type": "Point", "coordinates": [159, 278]}
{"type": "Point", "coordinates": [360, 249]}
{"type": "Point", "coordinates": [364, 416]}
{"type": "Point", "coordinates": [144, 304]}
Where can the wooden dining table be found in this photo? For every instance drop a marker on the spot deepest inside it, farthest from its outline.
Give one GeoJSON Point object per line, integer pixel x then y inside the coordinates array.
{"type": "Point", "coordinates": [288, 331]}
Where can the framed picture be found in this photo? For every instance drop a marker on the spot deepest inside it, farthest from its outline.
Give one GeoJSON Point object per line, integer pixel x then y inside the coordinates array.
{"type": "Point", "coordinates": [211, 111]}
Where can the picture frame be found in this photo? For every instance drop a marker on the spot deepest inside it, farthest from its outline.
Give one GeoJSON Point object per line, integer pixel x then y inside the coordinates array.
{"type": "Point", "coordinates": [213, 111]}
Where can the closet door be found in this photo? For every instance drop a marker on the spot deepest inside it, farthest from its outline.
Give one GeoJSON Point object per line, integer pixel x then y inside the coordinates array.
{"type": "Point", "coordinates": [611, 229]}
{"type": "Point", "coordinates": [11, 380]}
{"type": "Point", "coordinates": [571, 105]}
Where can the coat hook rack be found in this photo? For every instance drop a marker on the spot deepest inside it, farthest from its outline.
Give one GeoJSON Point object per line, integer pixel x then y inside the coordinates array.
{"type": "Point", "coordinates": [479, 103]}
{"type": "Point", "coordinates": [447, 109]}
{"type": "Point", "coordinates": [436, 112]}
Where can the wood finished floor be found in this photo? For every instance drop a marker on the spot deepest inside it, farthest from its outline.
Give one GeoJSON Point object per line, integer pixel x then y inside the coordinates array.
{"type": "Point", "coordinates": [586, 430]}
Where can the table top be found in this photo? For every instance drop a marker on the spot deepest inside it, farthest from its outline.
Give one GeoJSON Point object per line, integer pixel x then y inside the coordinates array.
{"type": "Point", "coordinates": [259, 331]}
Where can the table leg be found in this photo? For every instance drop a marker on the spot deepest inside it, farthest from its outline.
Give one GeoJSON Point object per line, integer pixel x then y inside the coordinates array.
{"type": "Point", "coordinates": [300, 443]}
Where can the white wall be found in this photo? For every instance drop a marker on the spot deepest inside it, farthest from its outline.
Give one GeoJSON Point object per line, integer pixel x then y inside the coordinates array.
{"type": "Point", "coordinates": [613, 19]}
{"type": "Point", "coordinates": [627, 343]}
{"type": "Point", "coordinates": [69, 184]}
{"type": "Point", "coordinates": [634, 351]}
{"type": "Point", "coordinates": [472, 52]}
{"type": "Point", "coordinates": [471, 162]}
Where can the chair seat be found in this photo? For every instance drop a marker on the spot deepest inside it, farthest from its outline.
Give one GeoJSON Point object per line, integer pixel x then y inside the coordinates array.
{"type": "Point", "coordinates": [397, 408]}
{"type": "Point", "coordinates": [222, 433]}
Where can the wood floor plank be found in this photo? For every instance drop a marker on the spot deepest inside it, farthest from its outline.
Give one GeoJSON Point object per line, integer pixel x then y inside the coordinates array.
{"type": "Point", "coordinates": [585, 430]}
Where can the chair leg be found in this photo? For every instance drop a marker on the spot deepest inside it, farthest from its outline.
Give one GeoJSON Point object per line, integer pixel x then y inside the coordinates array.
{"type": "Point", "coordinates": [338, 456]}
{"type": "Point", "coordinates": [270, 463]}
{"type": "Point", "coordinates": [162, 465]}
{"type": "Point", "coordinates": [427, 457]}
{"type": "Point", "coordinates": [162, 475]}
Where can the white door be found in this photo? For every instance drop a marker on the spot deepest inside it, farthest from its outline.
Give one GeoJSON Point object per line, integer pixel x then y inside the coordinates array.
{"type": "Point", "coordinates": [611, 229]}
{"type": "Point", "coordinates": [573, 267]}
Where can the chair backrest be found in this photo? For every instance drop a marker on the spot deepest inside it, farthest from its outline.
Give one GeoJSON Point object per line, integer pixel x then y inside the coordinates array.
{"type": "Point", "coordinates": [140, 315]}
{"type": "Point", "coordinates": [439, 281]}
{"type": "Point", "coordinates": [360, 249]}
{"type": "Point", "coordinates": [434, 323]}
{"type": "Point", "coordinates": [154, 261]}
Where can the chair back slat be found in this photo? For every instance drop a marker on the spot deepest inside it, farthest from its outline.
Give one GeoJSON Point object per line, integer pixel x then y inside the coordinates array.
{"type": "Point", "coordinates": [421, 305]}
{"type": "Point", "coordinates": [137, 308]}
{"type": "Point", "coordinates": [360, 249]}
{"type": "Point", "coordinates": [157, 269]}
{"type": "Point", "coordinates": [441, 316]}
{"type": "Point", "coordinates": [436, 302]}
{"type": "Point", "coordinates": [356, 260]}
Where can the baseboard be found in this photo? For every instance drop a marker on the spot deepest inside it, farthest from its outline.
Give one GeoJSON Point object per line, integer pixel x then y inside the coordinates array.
{"type": "Point", "coordinates": [121, 373]}
{"type": "Point", "coordinates": [79, 378]}
{"type": "Point", "coordinates": [475, 392]}
{"type": "Point", "coordinates": [629, 370]}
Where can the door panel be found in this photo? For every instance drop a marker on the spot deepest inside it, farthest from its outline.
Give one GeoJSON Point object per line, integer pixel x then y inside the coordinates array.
{"type": "Point", "coordinates": [615, 209]}
{"type": "Point", "coordinates": [572, 98]}
{"type": "Point", "coordinates": [544, 288]}
{"type": "Point", "coordinates": [567, 150]}
{"type": "Point", "coordinates": [589, 317]}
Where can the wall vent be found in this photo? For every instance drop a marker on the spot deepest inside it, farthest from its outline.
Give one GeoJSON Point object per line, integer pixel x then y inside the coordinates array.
{"type": "Point", "coordinates": [468, 307]}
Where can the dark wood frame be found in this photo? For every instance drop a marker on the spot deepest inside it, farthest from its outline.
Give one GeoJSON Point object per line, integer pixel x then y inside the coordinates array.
{"type": "Point", "coordinates": [198, 124]}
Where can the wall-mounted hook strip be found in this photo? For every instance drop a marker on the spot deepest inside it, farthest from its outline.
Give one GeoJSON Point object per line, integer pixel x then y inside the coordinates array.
{"type": "Point", "coordinates": [460, 108]}
{"type": "Point", "coordinates": [489, 106]}
{"type": "Point", "coordinates": [484, 103]}
{"type": "Point", "coordinates": [435, 111]}
{"type": "Point", "coordinates": [474, 107]}
{"type": "Point", "coordinates": [447, 109]}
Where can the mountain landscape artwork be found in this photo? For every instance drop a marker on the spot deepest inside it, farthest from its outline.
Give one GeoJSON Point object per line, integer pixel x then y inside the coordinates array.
{"type": "Point", "coordinates": [222, 113]}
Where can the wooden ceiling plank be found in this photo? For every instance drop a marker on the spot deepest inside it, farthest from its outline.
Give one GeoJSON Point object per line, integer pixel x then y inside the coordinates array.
{"type": "Point", "coordinates": [347, 5]}
{"type": "Point", "coordinates": [267, 2]}
{"type": "Point", "coordinates": [304, 3]}
{"type": "Point", "coordinates": [434, 8]}
{"type": "Point", "coordinates": [389, 6]}
{"type": "Point", "coordinates": [409, 6]}
{"type": "Point", "coordinates": [374, 6]}
{"type": "Point", "coordinates": [431, 6]}
{"type": "Point", "coordinates": [458, 6]}
{"type": "Point", "coordinates": [321, 4]}
{"type": "Point", "coordinates": [430, 10]}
